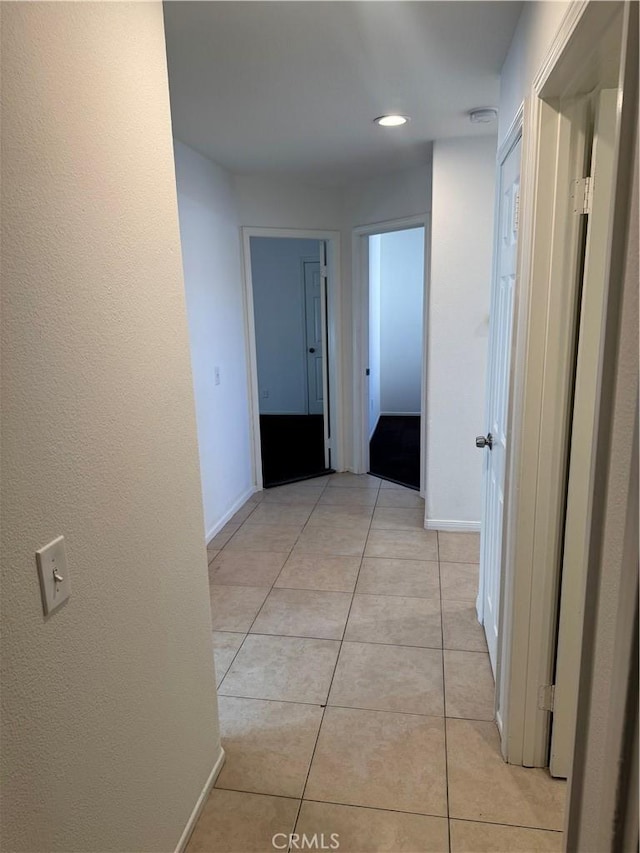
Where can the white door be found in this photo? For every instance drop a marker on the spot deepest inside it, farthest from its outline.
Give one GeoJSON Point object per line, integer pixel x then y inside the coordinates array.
{"type": "Point", "coordinates": [583, 431]}
{"type": "Point", "coordinates": [494, 442]}
{"type": "Point", "coordinates": [314, 337]}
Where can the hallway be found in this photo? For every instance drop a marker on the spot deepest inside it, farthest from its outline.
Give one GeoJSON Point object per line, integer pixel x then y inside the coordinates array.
{"type": "Point", "coordinates": [355, 690]}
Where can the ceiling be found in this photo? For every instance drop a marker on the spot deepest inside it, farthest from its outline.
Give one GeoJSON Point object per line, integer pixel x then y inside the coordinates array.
{"type": "Point", "coordinates": [293, 87]}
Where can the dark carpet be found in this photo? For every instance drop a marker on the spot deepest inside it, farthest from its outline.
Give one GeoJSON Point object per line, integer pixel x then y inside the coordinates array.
{"type": "Point", "coordinates": [292, 448]}
{"type": "Point", "coordinates": [394, 450]}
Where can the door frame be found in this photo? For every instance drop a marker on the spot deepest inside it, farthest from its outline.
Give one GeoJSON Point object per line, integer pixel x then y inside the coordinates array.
{"type": "Point", "coordinates": [334, 356]}
{"type": "Point", "coordinates": [360, 273]}
{"type": "Point", "coordinates": [543, 359]}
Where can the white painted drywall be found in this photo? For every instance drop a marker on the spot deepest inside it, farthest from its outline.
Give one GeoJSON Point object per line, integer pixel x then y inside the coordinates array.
{"type": "Point", "coordinates": [374, 332]}
{"type": "Point", "coordinates": [534, 34]}
{"type": "Point", "coordinates": [461, 256]}
{"type": "Point", "coordinates": [280, 324]}
{"type": "Point", "coordinates": [394, 195]}
{"type": "Point", "coordinates": [109, 719]}
{"type": "Point", "coordinates": [285, 203]}
{"type": "Point", "coordinates": [401, 313]}
{"type": "Point", "coordinates": [210, 236]}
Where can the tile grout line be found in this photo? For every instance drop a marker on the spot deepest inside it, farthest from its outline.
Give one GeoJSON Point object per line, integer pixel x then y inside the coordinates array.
{"type": "Point", "coordinates": [333, 674]}
{"type": "Point", "coordinates": [396, 811]}
{"type": "Point", "coordinates": [270, 588]}
{"type": "Point", "coordinates": [444, 701]}
{"type": "Point", "coordinates": [253, 622]}
{"type": "Point", "coordinates": [342, 640]}
{"type": "Point", "coordinates": [290, 551]}
{"type": "Point", "coordinates": [351, 707]}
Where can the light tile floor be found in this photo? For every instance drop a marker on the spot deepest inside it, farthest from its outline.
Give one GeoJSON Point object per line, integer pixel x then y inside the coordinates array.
{"type": "Point", "coordinates": [355, 689]}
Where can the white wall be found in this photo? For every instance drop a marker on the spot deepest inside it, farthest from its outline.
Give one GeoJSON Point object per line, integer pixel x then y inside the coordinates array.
{"type": "Point", "coordinates": [534, 34]}
{"type": "Point", "coordinates": [395, 195]}
{"type": "Point", "coordinates": [374, 332]}
{"type": "Point", "coordinates": [461, 255]}
{"type": "Point", "coordinates": [109, 719]}
{"type": "Point", "coordinates": [283, 203]}
{"type": "Point", "coordinates": [280, 322]}
{"type": "Point", "coordinates": [210, 236]}
{"type": "Point", "coordinates": [401, 313]}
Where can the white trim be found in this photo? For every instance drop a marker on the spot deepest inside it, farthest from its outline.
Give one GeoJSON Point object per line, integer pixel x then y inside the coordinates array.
{"type": "Point", "coordinates": [499, 723]}
{"type": "Point", "coordinates": [451, 524]}
{"type": "Point", "coordinates": [335, 359]}
{"type": "Point", "coordinates": [400, 414]}
{"type": "Point", "coordinates": [567, 28]}
{"type": "Point", "coordinates": [541, 383]}
{"type": "Point", "coordinates": [584, 443]}
{"type": "Point", "coordinates": [375, 427]}
{"type": "Point", "coordinates": [200, 802]}
{"type": "Point", "coordinates": [360, 331]}
{"type": "Point", "coordinates": [324, 332]}
{"type": "Point", "coordinates": [217, 527]}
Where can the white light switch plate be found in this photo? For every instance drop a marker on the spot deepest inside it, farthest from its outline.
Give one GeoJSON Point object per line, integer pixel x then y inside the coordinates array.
{"type": "Point", "coordinates": [53, 559]}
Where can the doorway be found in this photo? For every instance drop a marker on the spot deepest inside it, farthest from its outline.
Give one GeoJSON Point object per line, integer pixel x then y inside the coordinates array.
{"type": "Point", "coordinates": [396, 297]}
{"type": "Point", "coordinates": [571, 136]}
{"type": "Point", "coordinates": [290, 303]}
{"type": "Point", "coordinates": [290, 335]}
{"type": "Point", "coordinates": [390, 285]}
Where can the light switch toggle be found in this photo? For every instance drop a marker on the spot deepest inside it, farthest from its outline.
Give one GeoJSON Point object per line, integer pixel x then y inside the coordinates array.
{"type": "Point", "coordinates": [53, 574]}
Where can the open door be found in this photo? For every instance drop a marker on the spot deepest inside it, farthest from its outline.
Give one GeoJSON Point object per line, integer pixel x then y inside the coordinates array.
{"type": "Point", "coordinates": [594, 200]}
{"type": "Point", "coordinates": [314, 338]}
{"type": "Point", "coordinates": [494, 443]}
{"type": "Point", "coordinates": [324, 366]}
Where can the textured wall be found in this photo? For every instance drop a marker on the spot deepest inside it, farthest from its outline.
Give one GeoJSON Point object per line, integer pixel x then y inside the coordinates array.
{"type": "Point", "coordinates": [211, 259]}
{"type": "Point", "coordinates": [109, 721]}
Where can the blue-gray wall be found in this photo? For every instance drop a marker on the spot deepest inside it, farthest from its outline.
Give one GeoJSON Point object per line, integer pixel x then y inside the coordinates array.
{"type": "Point", "coordinates": [278, 302]}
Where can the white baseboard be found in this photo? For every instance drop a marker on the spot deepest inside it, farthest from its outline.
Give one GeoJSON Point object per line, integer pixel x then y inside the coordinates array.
{"type": "Point", "coordinates": [442, 524]}
{"type": "Point", "coordinates": [400, 414]}
{"type": "Point", "coordinates": [217, 527]}
{"type": "Point", "coordinates": [202, 799]}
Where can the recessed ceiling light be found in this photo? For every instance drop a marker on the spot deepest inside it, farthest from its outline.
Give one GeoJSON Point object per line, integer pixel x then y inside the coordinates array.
{"type": "Point", "coordinates": [391, 120]}
{"type": "Point", "coordinates": [485, 115]}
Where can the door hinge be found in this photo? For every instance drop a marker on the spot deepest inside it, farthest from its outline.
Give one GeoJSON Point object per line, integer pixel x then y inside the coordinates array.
{"type": "Point", "coordinates": [516, 213]}
{"type": "Point", "coordinates": [323, 271]}
{"type": "Point", "coordinates": [546, 697]}
{"type": "Point", "coordinates": [582, 195]}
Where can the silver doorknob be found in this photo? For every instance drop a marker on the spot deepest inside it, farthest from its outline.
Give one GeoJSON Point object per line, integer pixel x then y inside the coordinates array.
{"type": "Point", "coordinates": [481, 441]}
